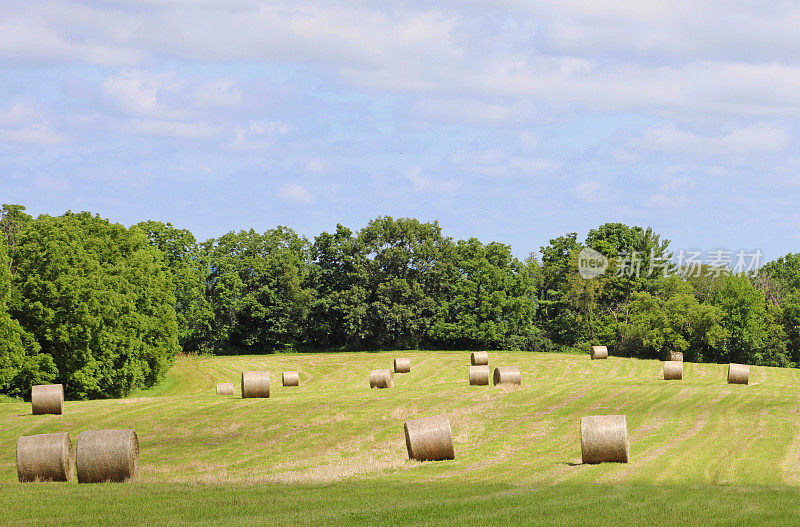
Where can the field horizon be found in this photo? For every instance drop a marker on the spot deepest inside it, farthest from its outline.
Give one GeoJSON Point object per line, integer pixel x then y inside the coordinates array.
{"type": "Point", "coordinates": [332, 450]}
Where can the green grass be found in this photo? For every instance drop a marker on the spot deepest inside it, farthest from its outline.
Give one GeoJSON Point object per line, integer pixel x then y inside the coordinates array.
{"type": "Point", "coordinates": [332, 451]}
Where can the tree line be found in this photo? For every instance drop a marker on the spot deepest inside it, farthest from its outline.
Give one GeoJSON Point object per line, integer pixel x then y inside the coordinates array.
{"type": "Point", "coordinates": [104, 309]}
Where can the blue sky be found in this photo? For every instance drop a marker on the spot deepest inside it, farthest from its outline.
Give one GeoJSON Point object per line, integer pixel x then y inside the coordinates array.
{"type": "Point", "coordinates": [507, 120]}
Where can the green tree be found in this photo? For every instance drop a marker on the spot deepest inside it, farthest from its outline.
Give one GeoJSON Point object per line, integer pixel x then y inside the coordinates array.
{"type": "Point", "coordinates": [255, 289]}
{"type": "Point", "coordinates": [338, 276]}
{"type": "Point", "coordinates": [751, 325]}
{"type": "Point", "coordinates": [13, 220]}
{"type": "Point", "coordinates": [784, 270]}
{"type": "Point", "coordinates": [791, 323]}
{"type": "Point", "coordinates": [407, 272]}
{"type": "Point", "coordinates": [99, 302]}
{"type": "Point", "coordinates": [20, 364]}
{"type": "Point", "coordinates": [582, 299]}
{"type": "Point", "coordinates": [555, 315]}
{"type": "Point", "coordinates": [656, 325]}
{"type": "Point", "coordinates": [491, 302]}
{"type": "Point", "coordinates": [638, 260]}
{"type": "Point", "coordinates": [189, 270]}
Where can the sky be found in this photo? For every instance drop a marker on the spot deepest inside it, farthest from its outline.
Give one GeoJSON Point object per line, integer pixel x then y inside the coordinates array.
{"type": "Point", "coordinates": [508, 120]}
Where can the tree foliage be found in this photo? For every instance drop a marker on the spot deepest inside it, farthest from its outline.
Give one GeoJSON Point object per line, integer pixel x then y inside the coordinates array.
{"type": "Point", "coordinates": [255, 290]}
{"type": "Point", "coordinates": [188, 268]}
{"type": "Point", "coordinates": [20, 364]}
{"type": "Point", "coordinates": [678, 322]}
{"type": "Point", "coordinates": [103, 309]}
{"type": "Point", "coordinates": [491, 302]}
{"type": "Point", "coordinates": [99, 301]}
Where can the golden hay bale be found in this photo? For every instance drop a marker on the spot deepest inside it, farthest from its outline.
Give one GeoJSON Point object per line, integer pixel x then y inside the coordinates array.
{"type": "Point", "coordinates": [599, 352]}
{"type": "Point", "coordinates": [507, 375]}
{"type": "Point", "coordinates": [673, 369]}
{"type": "Point", "coordinates": [225, 388]}
{"type": "Point", "coordinates": [47, 399]}
{"type": "Point", "coordinates": [604, 438]}
{"type": "Point", "coordinates": [479, 358]}
{"type": "Point", "coordinates": [44, 457]}
{"type": "Point", "coordinates": [479, 375]}
{"type": "Point", "coordinates": [675, 356]}
{"type": "Point", "coordinates": [429, 439]}
{"type": "Point", "coordinates": [402, 365]}
{"type": "Point", "coordinates": [381, 379]}
{"type": "Point", "coordinates": [255, 384]}
{"type": "Point", "coordinates": [738, 373]}
{"type": "Point", "coordinates": [107, 455]}
{"type": "Point", "coordinates": [291, 378]}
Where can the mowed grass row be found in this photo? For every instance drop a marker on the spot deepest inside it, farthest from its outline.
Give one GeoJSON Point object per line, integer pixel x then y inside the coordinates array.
{"type": "Point", "coordinates": [382, 503]}
{"type": "Point", "coordinates": [332, 438]}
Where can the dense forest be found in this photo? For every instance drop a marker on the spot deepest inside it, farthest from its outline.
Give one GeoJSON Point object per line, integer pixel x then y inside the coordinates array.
{"type": "Point", "coordinates": [104, 309]}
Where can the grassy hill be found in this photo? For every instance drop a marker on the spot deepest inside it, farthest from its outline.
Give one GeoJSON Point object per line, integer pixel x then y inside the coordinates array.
{"type": "Point", "coordinates": [332, 451]}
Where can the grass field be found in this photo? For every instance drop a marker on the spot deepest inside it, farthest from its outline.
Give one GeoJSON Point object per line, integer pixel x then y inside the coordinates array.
{"type": "Point", "coordinates": [332, 451]}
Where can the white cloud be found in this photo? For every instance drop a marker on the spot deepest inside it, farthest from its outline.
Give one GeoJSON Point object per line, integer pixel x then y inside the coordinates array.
{"type": "Point", "coordinates": [667, 201]}
{"type": "Point", "coordinates": [425, 184]}
{"type": "Point", "coordinates": [497, 162]}
{"type": "Point", "coordinates": [717, 170]}
{"type": "Point", "coordinates": [624, 156]}
{"type": "Point", "coordinates": [757, 138]}
{"type": "Point", "coordinates": [679, 29]}
{"type": "Point", "coordinates": [533, 164]}
{"type": "Point", "coordinates": [296, 32]}
{"type": "Point", "coordinates": [176, 129]}
{"type": "Point", "coordinates": [467, 111]}
{"type": "Point", "coordinates": [256, 135]}
{"type": "Point", "coordinates": [168, 95]}
{"type": "Point", "coordinates": [315, 165]}
{"type": "Point", "coordinates": [141, 93]}
{"type": "Point", "coordinates": [18, 114]}
{"type": "Point", "coordinates": [674, 183]}
{"type": "Point", "coordinates": [23, 122]}
{"type": "Point", "coordinates": [568, 82]}
{"type": "Point", "coordinates": [218, 93]}
{"type": "Point", "coordinates": [52, 184]}
{"type": "Point", "coordinates": [526, 58]}
{"type": "Point", "coordinates": [41, 33]}
{"type": "Point", "coordinates": [529, 139]}
{"type": "Point", "coordinates": [296, 194]}
{"type": "Point", "coordinates": [37, 134]}
{"type": "Point", "coordinates": [591, 192]}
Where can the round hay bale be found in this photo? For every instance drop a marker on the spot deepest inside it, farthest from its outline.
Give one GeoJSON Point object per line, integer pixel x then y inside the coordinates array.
{"type": "Point", "coordinates": [738, 373]}
{"type": "Point", "coordinates": [255, 384]}
{"type": "Point", "coordinates": [675, 356]}
{"type": "Point", "coordinates": [479, 358]}
{"type": "Point", "coordinates": [47, 399]}
{"type": "Point", "coordinates": [507, 375]}
{"type": "Point", "coordinates": [225, 388]}
{"type": "Point", "coordinates": [402, 365]}
{"type": "Point", "coordinates": [673, 369]}
{"type": "Point", "coordinates": [44, 457]}
{"type": "Point", "coordinates": [479, 375]}
{"type": "Point", "coordinates": [107, 455]}
{"type": "Point", "coordinates": [381, 379]}
{"type": "Point", "coordinates": [429, 439]}
{"type": "Point", "coordinates": [291, 378]}
{"type": "Point", "coordinates": [604, 438]}
{"type": "Point", "coordinates": [599, 352]}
